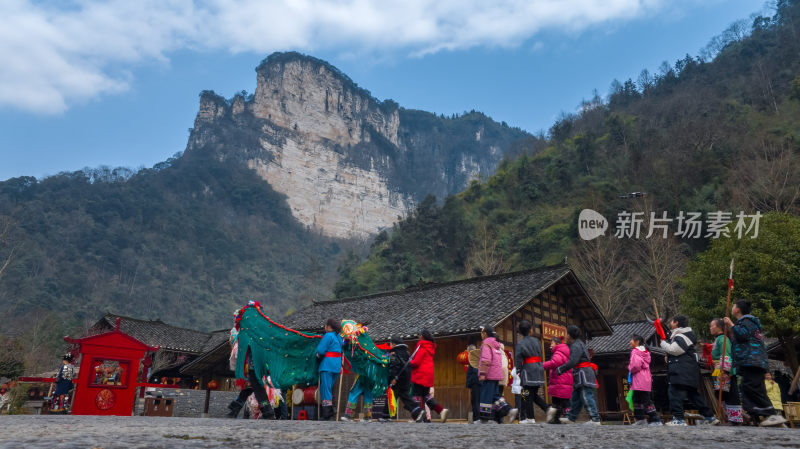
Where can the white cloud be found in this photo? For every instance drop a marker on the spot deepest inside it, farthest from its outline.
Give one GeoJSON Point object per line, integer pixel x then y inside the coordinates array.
{"type": "Point", "coordinates": [60, 53]}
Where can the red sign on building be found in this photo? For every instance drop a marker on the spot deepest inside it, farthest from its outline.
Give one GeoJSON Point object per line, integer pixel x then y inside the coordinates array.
{"type": "Point", "coordinates": [550, 330]}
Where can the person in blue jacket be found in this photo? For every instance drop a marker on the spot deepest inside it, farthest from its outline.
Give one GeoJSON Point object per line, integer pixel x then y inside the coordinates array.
{"type": "Point", "coordinates": [329, 352]}
{"type": "Point", "coordinates": [750, 360]}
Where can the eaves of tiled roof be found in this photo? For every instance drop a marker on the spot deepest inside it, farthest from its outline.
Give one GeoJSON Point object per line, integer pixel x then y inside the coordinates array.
{"type": "Point", "coordinates": [453, 308]}
{"type": "Point", "coordinates": [619, 341]}
{"type": "Point", "coordinates": [158, 333]}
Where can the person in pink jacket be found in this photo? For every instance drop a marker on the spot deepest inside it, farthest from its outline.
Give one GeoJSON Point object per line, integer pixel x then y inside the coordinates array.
{"type": "Point", "coordinates": [490, 373]}
{"type": "Point", "coordinates": [641, 383]}
{"type": "Point", "coordinates": [560, 386]}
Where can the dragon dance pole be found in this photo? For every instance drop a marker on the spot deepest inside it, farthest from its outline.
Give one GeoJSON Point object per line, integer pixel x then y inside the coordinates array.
{"type": "Point", "coordinates": [724, 341]}
{"type": "Point", "coordinates": [339, 395]}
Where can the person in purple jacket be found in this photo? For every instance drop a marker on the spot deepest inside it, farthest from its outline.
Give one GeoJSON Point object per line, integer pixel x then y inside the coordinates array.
{"type": "Point", "coordinates": [642, 384]}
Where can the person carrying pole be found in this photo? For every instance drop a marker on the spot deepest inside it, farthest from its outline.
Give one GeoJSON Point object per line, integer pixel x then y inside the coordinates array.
{"type": "Point", "coordinates": [750, 361]}
{"type": "Point", "coordinates": [725, 381]}
{"type": "Point", "coordinates": [400, 376]}
{"type": "Point", "coordinates": [329, 351]}
{"type": "Point", "coordinates": [684, 372]}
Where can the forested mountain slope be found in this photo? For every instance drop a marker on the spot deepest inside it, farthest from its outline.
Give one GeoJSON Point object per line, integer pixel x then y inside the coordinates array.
{"type": "Point", "coordinates": [714, 133]}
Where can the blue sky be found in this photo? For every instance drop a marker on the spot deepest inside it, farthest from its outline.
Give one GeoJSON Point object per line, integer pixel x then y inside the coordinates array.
{"type": "Point", "coordinates": [116, 82]}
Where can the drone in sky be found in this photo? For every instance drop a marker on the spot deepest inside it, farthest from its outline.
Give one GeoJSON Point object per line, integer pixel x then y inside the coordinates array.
{"type": "Point", "coordinates": [633, 195]}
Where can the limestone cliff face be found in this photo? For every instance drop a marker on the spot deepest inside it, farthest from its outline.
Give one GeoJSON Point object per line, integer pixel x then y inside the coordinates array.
{"type": "Point", "coordinates": [313, 99]}
{"type": "Point", "coordinates": [348, 164]}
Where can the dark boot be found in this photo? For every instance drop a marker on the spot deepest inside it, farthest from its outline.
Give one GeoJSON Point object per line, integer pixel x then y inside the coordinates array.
{"type": "Point", "coordinates": [326, 413]}
{"type": "Point", "coordinates": [501, 409]}
{"type": "Point", "coordinates": [267, 412]}
{"type": "Point", "coordinates": [234, 408]}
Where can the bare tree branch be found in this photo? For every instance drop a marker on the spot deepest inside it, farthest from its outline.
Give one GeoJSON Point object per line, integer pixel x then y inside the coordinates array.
{"type": "Point", "coordinates": [484, 259]}
{"type": "Point", "coordinates": [600, 266]}
{"type": "Point", "coordinates": [767, 178]}
{"type": "Point", "coordinates": [658, 264]}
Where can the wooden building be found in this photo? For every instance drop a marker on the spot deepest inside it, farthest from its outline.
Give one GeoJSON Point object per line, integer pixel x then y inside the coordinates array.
{"type": "Point", "coordinates": [455, 311]}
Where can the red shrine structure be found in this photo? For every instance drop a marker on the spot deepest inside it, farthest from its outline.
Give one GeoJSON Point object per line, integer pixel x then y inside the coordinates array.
{"type": "Point", "coordinates": [108, 373]}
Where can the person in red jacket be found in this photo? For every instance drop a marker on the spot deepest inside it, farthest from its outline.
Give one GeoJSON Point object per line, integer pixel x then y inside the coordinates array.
{"type": "Point", "coordinates": [560, 385]}
{"type": "Point", "coordinates": [422, 373]}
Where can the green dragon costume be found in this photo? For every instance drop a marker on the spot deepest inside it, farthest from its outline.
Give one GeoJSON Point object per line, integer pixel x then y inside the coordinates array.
{"type": "Point", "coordinates": [289, 356]}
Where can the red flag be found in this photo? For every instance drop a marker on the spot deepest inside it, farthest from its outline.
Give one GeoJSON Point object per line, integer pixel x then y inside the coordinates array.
{"type": "Point", "coordinates": [730, 277]}
{"type": "Point", "coordinates": [660, 329]}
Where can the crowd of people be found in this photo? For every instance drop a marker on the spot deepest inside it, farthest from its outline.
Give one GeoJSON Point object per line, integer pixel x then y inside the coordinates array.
{"type": "Point", "coordinates": [740, 375]}
{"type": "Point", "coordinates": [748, 391]}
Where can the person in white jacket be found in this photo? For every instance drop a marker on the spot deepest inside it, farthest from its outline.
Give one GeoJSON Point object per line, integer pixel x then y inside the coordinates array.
{"type": "Point", "coordinates": [516, 390]}
{"type": "Point", "coordinates": [684, 372]}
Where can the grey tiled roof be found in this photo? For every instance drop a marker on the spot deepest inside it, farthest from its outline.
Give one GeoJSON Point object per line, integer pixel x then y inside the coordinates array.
{"type": "Point", "coordinates": [158, 333]}
{"type": "Point", "coordinates": [214, 358]}
{"type": "Point", "coordinates": [618, 342]}
{"type": "Point", "coordinates": [452, 308]}
{"type": "Point", "coordinates": [215, 338]}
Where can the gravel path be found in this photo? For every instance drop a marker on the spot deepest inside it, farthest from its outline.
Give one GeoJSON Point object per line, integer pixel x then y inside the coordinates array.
{"type": "Point", "coordinates": [146, 432]}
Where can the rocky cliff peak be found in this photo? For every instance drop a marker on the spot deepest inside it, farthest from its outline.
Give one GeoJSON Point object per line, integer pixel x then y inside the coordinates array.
{"type": "Point", "coordinates": [349, 164]}
{"type": "Point", "coordinates": [307, 94]}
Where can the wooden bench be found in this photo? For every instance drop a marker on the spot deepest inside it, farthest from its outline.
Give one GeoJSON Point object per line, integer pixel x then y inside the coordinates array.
{"type": "Point", "coordinates": [692, 416]}
{"type": "Point", "coordinates": [792, 412]}
{"type": "Point", "coordinates": [36, 406]}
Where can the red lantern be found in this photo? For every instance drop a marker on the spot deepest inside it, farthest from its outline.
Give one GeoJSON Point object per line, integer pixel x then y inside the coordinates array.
{"type": "Point", "coordinates": [463, 358]}
{"type": "Point", "coordinates": [213, 385]}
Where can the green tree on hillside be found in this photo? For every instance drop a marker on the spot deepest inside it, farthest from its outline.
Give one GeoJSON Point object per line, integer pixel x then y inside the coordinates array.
{"type": "Point", "coordinates": [766, 272]}
{"type": "Point", "coordinates": [718, 132]}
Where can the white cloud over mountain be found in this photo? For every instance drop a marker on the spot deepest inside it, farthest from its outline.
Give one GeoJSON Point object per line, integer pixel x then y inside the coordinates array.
{"type": "Point", "coordinates": [59, 53]}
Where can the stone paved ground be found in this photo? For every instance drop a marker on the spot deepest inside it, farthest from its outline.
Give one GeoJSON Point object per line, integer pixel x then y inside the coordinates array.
{"type": "Point", "coordinates": [144, 432]}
